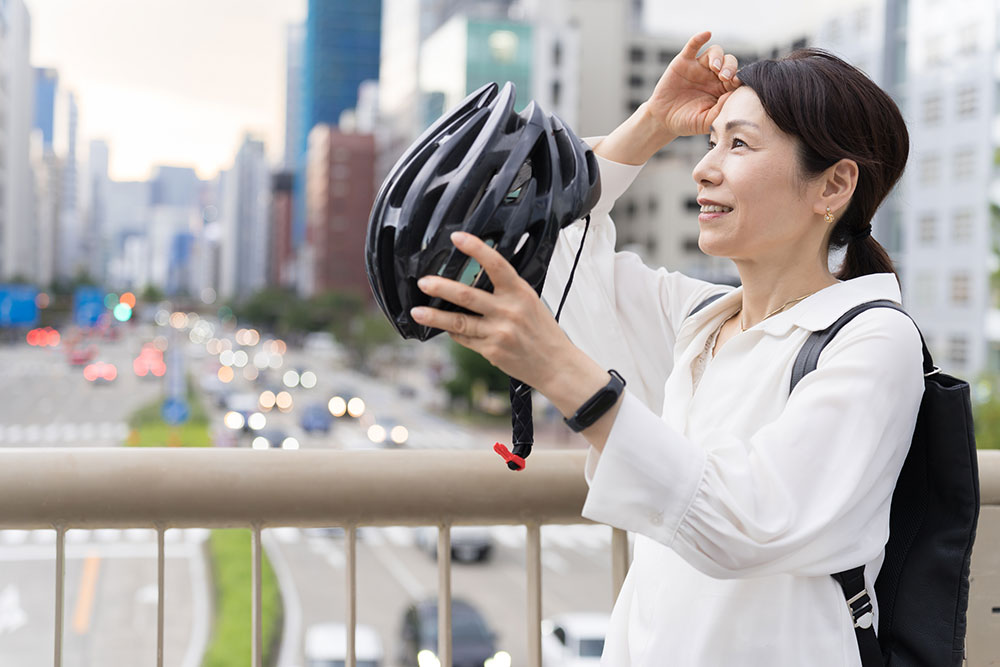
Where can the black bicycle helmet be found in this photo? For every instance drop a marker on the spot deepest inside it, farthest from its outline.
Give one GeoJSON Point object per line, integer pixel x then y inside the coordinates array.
{"type": "Point", "coordinates": [513, 180]}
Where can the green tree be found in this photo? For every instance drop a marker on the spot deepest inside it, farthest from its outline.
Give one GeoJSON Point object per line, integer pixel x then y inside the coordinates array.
{"type": "Point", "coordinates": [473, 375]}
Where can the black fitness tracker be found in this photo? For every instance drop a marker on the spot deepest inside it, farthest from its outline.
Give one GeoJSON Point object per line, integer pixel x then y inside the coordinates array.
{"type": "Point", "coordinates": [598, 404]}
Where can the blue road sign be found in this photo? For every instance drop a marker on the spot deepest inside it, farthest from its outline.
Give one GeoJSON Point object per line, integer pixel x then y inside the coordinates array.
{"type": "Point", "coordinates": [18, 307]}
{"type": "Point", "coordinates": [175, 411]}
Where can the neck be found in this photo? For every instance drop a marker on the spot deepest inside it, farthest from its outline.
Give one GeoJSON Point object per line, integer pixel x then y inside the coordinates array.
{"type": "Point", "coordinates": [768, 286]}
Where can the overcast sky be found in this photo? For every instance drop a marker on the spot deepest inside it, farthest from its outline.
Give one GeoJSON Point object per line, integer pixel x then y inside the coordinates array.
{"type": "Point", "coordinates": [179, 81]}
{"type": "Point", "coordinates": [169, 81]}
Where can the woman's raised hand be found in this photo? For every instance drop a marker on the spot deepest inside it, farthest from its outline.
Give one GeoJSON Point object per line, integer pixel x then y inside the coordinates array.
{"type": "Point", "coordinates": [692, 90]}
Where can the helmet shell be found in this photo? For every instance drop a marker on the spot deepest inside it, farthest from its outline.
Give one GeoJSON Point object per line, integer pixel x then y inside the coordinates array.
{"type": "Point", "coordinates": [513, 180]}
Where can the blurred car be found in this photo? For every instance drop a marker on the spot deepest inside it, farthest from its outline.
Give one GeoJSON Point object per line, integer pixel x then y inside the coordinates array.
{"type": "Point", "coordinates": [80, 356]}
{"type": "Point", "coordinates": [316, 417]}
{"type": "Point", "coordinates": [389, 432]}
{"type": "Point", "coordinates": [574, 640]}
{"type": "Point", "coordinates": [273, 438]}
{"type": "Point", "coordinates": [473, 643]}
{"type": "Point", "coordinates": [346, 403]}
{"type": "Point", "coordinates": [150, 362]}
{"type": "Point", "coordinates": [100, 372]}
{"type": "Point", "coordinates": [468, 543]}
{"type": "Point", "coordinates": [326, 646]}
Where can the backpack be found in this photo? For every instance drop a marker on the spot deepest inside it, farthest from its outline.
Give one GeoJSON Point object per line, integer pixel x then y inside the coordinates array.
{"type": "Point", "coordinates": [923, 586]}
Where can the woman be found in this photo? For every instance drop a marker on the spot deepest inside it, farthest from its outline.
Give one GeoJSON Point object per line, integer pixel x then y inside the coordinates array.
{"type": "Point", "coordinates": [744, 498]}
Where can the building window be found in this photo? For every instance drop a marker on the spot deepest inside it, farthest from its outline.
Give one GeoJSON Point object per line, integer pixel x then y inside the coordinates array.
{"type": "Point", "coordinates": [633, 105]}
{"type": "Point", "coordinates": [691, 244]}
{"type": "Point", "coordinates": [968, 97]}
{"type": "Point", "coordinates": [630, 209]}
{"type": "Point", "coordinates": [961, 230]}
{"type": "Point", "coordinates": [933, 109]}
{"type": "Point", "coordinates": [934, 47]}
{"type": "Point", "coordinates": [692, 204]}
{"type": "Point", "coordinates": [960, 285]}
{"type": "Point", "coordinates": [556, 93]}
{"type": "Point", "coordinates": [927, 228]}
{"type": "Point", "coordinates": [965, 163]}
{"type": "Point", "coordinates": [958, 349]}
{"type": "Point", "coordinates": [666, 57]}
{"type": "Point", "coordinates": [968, 40]}
{"type": "Point", "coordinates": [926, 288]}
{"type": "Point", "coordinates": [557, 54]}
{"type": "Point", "coordinates": [653, 205]}
{"type": "Point", "coordinates": [930, 169]}
{"type": "Point", "coordinates": [635, 81]}
{"type": "Point", "coordinates": [636, 55]}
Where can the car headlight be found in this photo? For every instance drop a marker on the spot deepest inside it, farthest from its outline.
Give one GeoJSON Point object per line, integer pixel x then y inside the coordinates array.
{"type": "Point", "coordinates": [427, 658]}
{"type": "Point", "coordinates": [500, 659]}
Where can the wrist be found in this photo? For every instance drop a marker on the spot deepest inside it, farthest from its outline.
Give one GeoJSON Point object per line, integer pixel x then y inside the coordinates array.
{"type": "Point", "coordinates": [575, 381]}
{"type": "Point", "coordinates": [636, 140]}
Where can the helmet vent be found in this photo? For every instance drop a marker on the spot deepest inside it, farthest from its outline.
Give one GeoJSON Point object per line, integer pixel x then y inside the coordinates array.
{"type": "Point", "coordinates": [521, 241]}
{"type": "Point", "coordinates": [405, 179]}
{"type": "Point", "coordinates": [457, 145]}
{"type": "Point", "coordinates": [387, 272]}
{"type": "Point", "coordinates": [425, 209]}
{"type": "Point", "coordinates": [567, 162]}
{"type": "Point", "coordinates": [521, 179]}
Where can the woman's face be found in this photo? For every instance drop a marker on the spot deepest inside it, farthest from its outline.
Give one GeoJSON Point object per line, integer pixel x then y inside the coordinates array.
{"type": "Point", "coordinates": [751, 169]}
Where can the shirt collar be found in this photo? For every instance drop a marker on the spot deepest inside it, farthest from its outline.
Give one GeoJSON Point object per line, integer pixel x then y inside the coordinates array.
{"type": "Point", "coordinates": [817, 311]}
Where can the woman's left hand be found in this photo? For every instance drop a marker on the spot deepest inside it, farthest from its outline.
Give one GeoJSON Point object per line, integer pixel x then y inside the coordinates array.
{"type": "Point", "coordinates": [513, 330]}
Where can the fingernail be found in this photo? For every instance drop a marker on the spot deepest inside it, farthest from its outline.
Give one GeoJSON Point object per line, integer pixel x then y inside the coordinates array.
{"type": "Point", "coordinates": [418, 313]}
{"type": "Point", "coordinates": [458, 238]}
{"type": "Point", "coordinates": [424, 282]}
{"type": "Point", "coordinates": [716, 63]}
{"type": "Point", "coordinates": [726, 73]}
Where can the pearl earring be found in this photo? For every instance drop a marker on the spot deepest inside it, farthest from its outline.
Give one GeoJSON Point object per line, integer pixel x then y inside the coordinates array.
{"type": "Point", "coordinates": [828, 218]}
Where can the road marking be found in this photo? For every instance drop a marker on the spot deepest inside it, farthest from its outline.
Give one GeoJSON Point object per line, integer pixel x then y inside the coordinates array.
{"type": "Point", "coordinates": [85, 599]}
{"type": "Point", "coordinates": [12, 616]}
{"type": "Point", "coordinates": [400, 573]}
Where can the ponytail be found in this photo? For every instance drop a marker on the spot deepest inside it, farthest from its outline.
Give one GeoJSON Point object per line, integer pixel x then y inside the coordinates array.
{"type": "Point", "coordinates": [865, 256]}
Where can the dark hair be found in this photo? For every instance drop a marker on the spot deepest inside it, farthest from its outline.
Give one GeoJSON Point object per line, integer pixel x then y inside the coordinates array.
{"type": "Point", "coordinates": [836, 112]}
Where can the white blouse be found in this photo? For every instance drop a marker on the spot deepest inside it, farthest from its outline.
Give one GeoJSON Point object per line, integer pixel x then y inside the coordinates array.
{"type": "Point", "coordinates": [743, 499]}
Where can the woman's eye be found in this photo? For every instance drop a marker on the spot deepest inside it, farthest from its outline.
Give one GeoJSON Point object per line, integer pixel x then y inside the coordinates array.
{"type": "Point", "coordinates": [711, 144]}
{"type": "Point", "coordinates": [738, 141]}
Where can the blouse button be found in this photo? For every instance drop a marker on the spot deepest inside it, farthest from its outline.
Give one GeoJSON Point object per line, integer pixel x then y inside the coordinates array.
{"type": "Point", "coordinates": [656, 518]}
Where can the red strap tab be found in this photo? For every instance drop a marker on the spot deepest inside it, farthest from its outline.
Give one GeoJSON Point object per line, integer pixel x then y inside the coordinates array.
{"type": "Point", "coordinates": [514, 462]}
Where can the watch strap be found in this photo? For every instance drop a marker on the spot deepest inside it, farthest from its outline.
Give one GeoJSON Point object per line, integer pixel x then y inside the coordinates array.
{"type": "Point", "coordinates": [595, 406]}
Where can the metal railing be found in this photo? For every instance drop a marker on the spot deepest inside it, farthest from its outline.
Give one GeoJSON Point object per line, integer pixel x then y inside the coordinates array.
{"type": "Point", "coordinates": [221, 488]}
{"type": "Point", "coordinates": [240, 488]}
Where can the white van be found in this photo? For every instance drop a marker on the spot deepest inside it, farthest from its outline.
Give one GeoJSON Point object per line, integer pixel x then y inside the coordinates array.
{"type": "Point", "coordinates": [326, 646]}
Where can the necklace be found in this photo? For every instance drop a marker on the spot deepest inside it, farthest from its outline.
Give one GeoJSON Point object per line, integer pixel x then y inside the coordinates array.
{"type": "Point", "coordinates": [776, 310]}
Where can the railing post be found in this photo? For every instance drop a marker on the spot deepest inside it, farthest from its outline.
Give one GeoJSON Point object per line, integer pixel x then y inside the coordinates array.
{"type": "Point", "coordinates": [444, 594]}
{"type": "Point", "coordinates": [619, 560]}
{"type": "Point", "coordinates": [351, 538]}
{"type": "Point", "coordinates": [60, 591]}
{"type": "Point", "coordinates": [257, 646]}
{"type": "Point", "coordinates": [160, 588]}
{"type": "Point", "coordinates": [533, 565]}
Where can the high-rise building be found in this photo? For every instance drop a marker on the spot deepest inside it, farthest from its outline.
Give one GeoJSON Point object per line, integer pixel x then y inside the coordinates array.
{"type": "Point", "coordinates": [244, 215]}
{"type": "Point", "coordinates": [281, 255]}
{"type": "Point", "coordinates": [46, 85]}
{"type": "Point", "coordinates": [341, 50]}
{"type": "Point", "coordinates": [71, 258]}
{"type": "Point", "coordinates": [17, 240]}
{"type": "Point", "coordinates": [339, 195]}
{"type": "Point", "coordinates": [94, 245]}
{"type": "Point", "coordinates": [48, 180]}
{"type": "Point", "coordinates": [295, 39]}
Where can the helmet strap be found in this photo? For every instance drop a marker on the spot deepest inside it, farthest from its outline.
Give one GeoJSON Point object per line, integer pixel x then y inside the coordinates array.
{"type": "Point", "coordinates": [522, 426]}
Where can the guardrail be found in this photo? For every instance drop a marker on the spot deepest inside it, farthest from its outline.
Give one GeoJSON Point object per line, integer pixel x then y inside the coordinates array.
{"type": "Point", "coordinates": [222, 488]}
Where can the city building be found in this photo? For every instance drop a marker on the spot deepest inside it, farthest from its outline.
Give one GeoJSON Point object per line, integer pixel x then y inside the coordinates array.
{"type": "Point", "coordinates": [243, 211]}
{"type": "Point", "coordinates": [71, 259]}
{"type": "Point", "coordinates": [47, 170]}
{"type": "Point", "coordinates": [17, 238]}
{"type": "Point", "coordinates": [295, 39]}
{"type": "Point", "coordinates": [46, 84]}
{"type": "Point", "coordinates": [339, 195]}
{"type": "Point", "coordinates": [341, 50]}
{"type": "Point", "coordinates": [281, 254]}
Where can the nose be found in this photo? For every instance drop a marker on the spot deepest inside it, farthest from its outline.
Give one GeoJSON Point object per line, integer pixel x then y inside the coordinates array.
{"type": "Point", "coordinates": [707, 171]}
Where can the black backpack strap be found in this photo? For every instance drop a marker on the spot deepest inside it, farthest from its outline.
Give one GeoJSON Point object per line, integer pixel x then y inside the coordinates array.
{"type": "Point", "coordinates": [853, 581]}
{"type": "Point", "coordinates": [853, 584]}
{"type": "Point", "coordinates": [706, 302]}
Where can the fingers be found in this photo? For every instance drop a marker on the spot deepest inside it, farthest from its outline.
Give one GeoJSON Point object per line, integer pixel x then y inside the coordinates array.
{"type": "Point", "coordinates": [461, 324]}
{"type": "Point", "coordinates": [501, 273]}
{"type": "Point", "coordinates": [457, 293]}
{"type": "Point", "coordinates": [723, 64]}
{"type": "Point", "coordinates": [694, 44]}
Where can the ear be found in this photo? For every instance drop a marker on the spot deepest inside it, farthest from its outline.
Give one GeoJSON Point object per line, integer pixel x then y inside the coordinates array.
{"type": "Point", "coordinates": [836, 187]}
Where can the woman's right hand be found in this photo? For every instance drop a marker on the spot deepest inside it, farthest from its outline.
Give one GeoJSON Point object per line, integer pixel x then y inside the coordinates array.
{"type": "Point", "coordinates": [691, 92]}
{"type": "Point", "coordinates": [686, 100]}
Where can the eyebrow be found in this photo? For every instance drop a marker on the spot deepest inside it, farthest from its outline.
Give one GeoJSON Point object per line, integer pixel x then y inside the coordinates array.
{"type": "Point", "coordinates": [736, 123]}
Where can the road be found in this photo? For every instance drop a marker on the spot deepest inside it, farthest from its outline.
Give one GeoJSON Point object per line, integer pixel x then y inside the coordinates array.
{"type": "Point", "coordinates": [110, 596]}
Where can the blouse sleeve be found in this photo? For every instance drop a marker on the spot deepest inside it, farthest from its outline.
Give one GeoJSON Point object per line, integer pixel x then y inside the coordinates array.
{"type": "Point", "coordinates": [622, 313]}
{"type": "Point", "coordinates": [806, 494]}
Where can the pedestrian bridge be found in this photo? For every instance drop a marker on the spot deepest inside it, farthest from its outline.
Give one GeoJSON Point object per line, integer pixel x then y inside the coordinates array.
{"type": "Point", "coordinates": [163, 489]}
